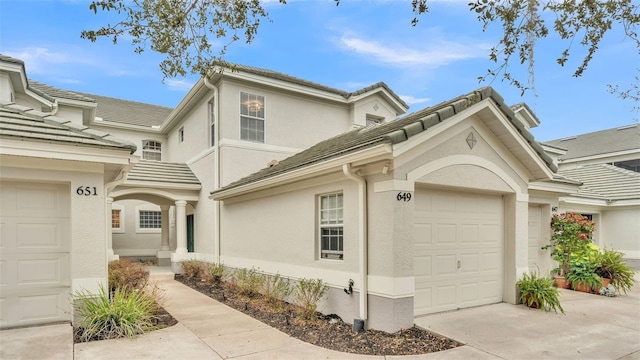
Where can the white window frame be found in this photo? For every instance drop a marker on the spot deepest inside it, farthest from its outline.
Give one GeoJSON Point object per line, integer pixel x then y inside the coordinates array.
{"type": "Point", "coordinates": [371, 120]}
{"type": "Point", "coordinates": [334, 220]}
{"type": "Point", "coordinates": [212, 123]}
{"type": "Point", "coordinates": [180, 134]}
{"type": "Point", "coordinates": [145, 230]}
{"type": "Point", "coordinates": [258, 115]}
{"type": "Point", "coordinates": [150, 147]}
{"type": "Point", "coordinates": [121, 229]}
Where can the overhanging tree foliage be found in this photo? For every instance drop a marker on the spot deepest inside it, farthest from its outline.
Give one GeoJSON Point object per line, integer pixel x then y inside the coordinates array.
{"type": "Point", "coordinates": [195, 34]}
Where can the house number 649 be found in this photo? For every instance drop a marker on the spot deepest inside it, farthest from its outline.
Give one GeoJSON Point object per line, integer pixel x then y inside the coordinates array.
{"type": "Point", "coordinates": [404, 196]}
{"type": "Point", "coordinates": [86, 190]}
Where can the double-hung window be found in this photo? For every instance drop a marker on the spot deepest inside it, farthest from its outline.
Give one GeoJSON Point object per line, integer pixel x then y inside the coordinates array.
{"type": "Point", "coordinates": [150, 219]}
{"type": "Point", "coordinates": [331, 226]}
{"type": "Point", "coordinates": [251, 117]}
{"type": "Point", "coordinates": [151, 150]}
{"type": "Point", "coordinates": [116, 220]}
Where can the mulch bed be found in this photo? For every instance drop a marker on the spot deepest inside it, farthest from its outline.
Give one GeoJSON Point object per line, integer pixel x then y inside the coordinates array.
{"type": "Point", "coordinates": [327, 331]}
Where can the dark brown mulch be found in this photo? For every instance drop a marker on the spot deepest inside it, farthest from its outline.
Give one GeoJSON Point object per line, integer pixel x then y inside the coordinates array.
{"type": "Point", "coordinates": [162, 319]}
{"type": "Point", "coordinates": [327, 331]}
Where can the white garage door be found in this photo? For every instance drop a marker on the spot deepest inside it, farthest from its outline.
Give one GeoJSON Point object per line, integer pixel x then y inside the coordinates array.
{"type": "Point", "coordinates": [458, 250]}
{"type": "Point", "coordinates": [535, 236]}
{"type": "Point", "coordinates": [34, 253]}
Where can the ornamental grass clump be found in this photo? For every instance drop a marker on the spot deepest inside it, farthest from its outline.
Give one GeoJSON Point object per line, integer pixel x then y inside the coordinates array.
{"type": "Point", "coordinates": [121, 313]}
{"type": "Point", "coordinates": [248, 282]}
{"type": "Point", "coordinates": [538, 292]}
{"type": "Point", "coordinates": [307, 293]}
{"type": "Point", "coordinates": [276, 289]}
{"type": "Point", "coordinates": [124, 274]}
{"type": "Point", "coordinates": [192, 269]}
{"type": "Point", "coordinates": [570, 233]}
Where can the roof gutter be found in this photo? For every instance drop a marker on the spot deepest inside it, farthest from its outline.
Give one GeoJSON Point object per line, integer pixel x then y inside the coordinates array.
{"type": "Point", "coordinates": [362, 237]}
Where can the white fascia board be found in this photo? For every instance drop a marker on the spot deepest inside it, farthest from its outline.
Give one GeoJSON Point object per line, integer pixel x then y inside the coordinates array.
{"type": "Point", "coordinates": [627, 202]}
{"type": "Point", "coordinates": [390, 99]}
{"type": "Point", "coordinates": [583, 201]}
{"type": "Point", "coordinates": [258, 146]}
{"type": "Point", "coordinates": [552, 149]}
{"type": "Point", "coordinates": [554, 186]}
{"type": "Point", "coordinates": [284, 85]}
{"type": "Point", "coordinates": [359, 158]}
{"type": "Point", "coordinates": [115, 125]}
{"type": "Point", "coordinates": [522, 142]}
{"type": "Point", "coordinates": [47, 150]}
{"type": "Point", "coordinates": [184, 106]}
{"type": "Point", "coordinates": [606, 158]}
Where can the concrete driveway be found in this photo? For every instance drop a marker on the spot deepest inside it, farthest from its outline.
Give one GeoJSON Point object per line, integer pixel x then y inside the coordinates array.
{"type": "Point", "coordinates": [593, 327]}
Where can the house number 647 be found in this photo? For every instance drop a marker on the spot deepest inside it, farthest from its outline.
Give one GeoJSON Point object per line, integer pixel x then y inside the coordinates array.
{"type": "Point", "coordinates": [404, 196]}
{"type": "Point", "coordinates": [86, 190]}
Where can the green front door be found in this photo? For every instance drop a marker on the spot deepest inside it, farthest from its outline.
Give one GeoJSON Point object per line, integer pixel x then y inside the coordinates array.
{"type": "Point", "coordinates": [190, 233]}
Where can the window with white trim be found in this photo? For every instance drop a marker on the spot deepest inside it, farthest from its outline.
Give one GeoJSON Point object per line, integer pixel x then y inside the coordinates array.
{"type": "Point", "coordinates": [151, 150]}
{"type": "Point", "coordinates": [116, 220]}
{"type": "Point", "coordinates": [150, 219]}
{"type": "Point", "coordinates": [251, 117]}
{"type": "Point", "coordinates": [212, 123]}
{"type": "Point", "coordinates": [331, 226]}
{"type": "Point", "coordinates": [373, 121]}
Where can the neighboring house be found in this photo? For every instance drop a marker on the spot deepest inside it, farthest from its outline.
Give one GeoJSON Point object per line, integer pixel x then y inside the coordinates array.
{"type": "Point", "coordinates": [607, 163]}
{"type": "Point", "coordinates": [438, 210]}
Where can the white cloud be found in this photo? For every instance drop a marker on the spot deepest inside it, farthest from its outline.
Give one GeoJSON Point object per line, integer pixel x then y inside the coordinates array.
{"type": "Point", "coordinates": [412, 100]}
{"type": "Point", "coordinates": [41, 60]}
{"type": "Point", "coordinates": [179, 85]}
{"type": "Point", "coordinates": [429, 53]}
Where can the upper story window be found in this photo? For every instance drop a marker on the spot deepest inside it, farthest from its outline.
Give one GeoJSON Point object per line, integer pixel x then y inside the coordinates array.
{"type": "Point", "coordinates": [151, 150]}
{"type": "Point", "coordinates": [251, 117]}
{"type": "Point", "coordinates": [331, 226]}
{"type": "Point", "coordinates": [181, 134]}
{"type": "Point", "coordinates": [212, 123]}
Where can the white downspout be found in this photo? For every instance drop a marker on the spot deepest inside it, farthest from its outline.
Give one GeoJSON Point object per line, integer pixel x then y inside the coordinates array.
{"type": "Point", "coordinates": [216, 182]}
{"type": "Point", "coordinates": [362, 237]}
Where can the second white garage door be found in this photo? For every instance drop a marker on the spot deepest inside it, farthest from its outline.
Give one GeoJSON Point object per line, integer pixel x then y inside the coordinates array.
{"type": "Point", "coordinates": [458, 250]}
{"type": "Point", "coordinates": [34, 253]}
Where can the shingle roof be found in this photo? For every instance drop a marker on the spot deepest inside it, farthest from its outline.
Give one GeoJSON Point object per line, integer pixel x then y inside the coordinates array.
{"type": "Point", "coordinates": [162, 172]}
{"type": "Point", "coordinates": [600, 142]}
{"type": "Point", "coordinates": [292, 79]}
{"type": "Point", "coordinates": [58, 93]}
{"type": "Point", "coordinates": [112, 109]}
{"type": "Point", "coordinates": [27, 124]}
{"type": "Point", "coordinates": [392, 132]}
{"type": "Point", "coordinates": [606, 182]}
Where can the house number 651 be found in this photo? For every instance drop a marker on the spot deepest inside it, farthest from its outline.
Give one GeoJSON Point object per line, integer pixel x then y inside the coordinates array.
{"type": "Point", "coordinates": [86, 190]}
{"type": "Point", "coordinates": [404, 196]}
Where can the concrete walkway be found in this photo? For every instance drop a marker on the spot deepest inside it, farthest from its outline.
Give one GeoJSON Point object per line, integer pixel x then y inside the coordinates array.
{"type": "Point", "coordinates": [594, 327]}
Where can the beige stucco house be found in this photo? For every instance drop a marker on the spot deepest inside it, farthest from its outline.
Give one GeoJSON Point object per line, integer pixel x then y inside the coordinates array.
{"type": "Point", "coordinates": [441, 209]}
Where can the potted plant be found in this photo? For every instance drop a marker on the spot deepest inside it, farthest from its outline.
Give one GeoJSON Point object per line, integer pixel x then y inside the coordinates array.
{"type": "Point", "coordinates": [538, 292]}
{"type": "Point", "coordinates": [611, 265]}
{"type": "Point", "coordinates": [583, 277]}
{"type": "Point", "coordinates": [570, 233]}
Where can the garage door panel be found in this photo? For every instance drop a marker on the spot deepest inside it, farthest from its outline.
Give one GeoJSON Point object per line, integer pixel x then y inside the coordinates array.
{"type": "Point", "coordinates": [422, 265]}
{"type": "Point", "coordinates": [35, 253]}
{"type": "Point", "coordinates": [466, 245]}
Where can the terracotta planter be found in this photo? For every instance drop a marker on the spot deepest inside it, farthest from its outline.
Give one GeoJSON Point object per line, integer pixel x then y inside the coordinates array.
{"type": "Point", "coordinates": [561, 282]}
{"type": "Point", "coordinates": [605, 283]}
{"type": "Point", "coordinates": [581, 287]}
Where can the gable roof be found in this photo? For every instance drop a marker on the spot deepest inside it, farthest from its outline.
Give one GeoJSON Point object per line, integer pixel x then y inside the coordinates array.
{"type": "Point", "coordinates": [392, 132]}
{"type": "Point", "coordinates": [24, 123]}
{"type": "Point", "coordinates": [605, 182]}
{"type": "Point", "coordinates": [600, 142]}
{"type": "Point", "coordinates": [162, 173]}
{"type": "Point", "coordinates": [58, 93]}
{"type": "Point", "coordinates": [295, 80]}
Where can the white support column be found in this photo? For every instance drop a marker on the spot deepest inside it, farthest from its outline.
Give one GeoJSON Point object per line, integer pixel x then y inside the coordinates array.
{"type": "Point", "coordinates": [181, 227]}
{"type": "Point", "coordinates": [516, 243]}
{"type": "Point", "coordinates": [164, 237]}
{"type": "Point", "coordinates": [110, 254]}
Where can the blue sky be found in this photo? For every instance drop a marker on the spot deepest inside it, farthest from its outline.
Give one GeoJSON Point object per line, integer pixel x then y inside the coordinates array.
{"type": "Point", "coordinates": [348, 47]}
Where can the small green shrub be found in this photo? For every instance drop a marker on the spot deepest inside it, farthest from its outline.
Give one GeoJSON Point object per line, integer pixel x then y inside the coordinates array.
{"type": "Point", "coordinates": [124, 314]}
{"type": "Point", "coordinates": [538, 292]}
{"type": "Point", "coordinates": [248, 282]}
{"type": "Point", "coordinates": [275, 289]}
{"type": "Point", "coordinates": [124, 274]}
{"type": "Point", "coordinates": [307, 293]}
{"type": "Point", "coordinates": [611, 265]}
{"type": "Point", "coordinates": [213, 273]}
{"type": "Point", "coordinates": [583, 273]}
{"type": "Point", "coordinates": [192, 269]}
